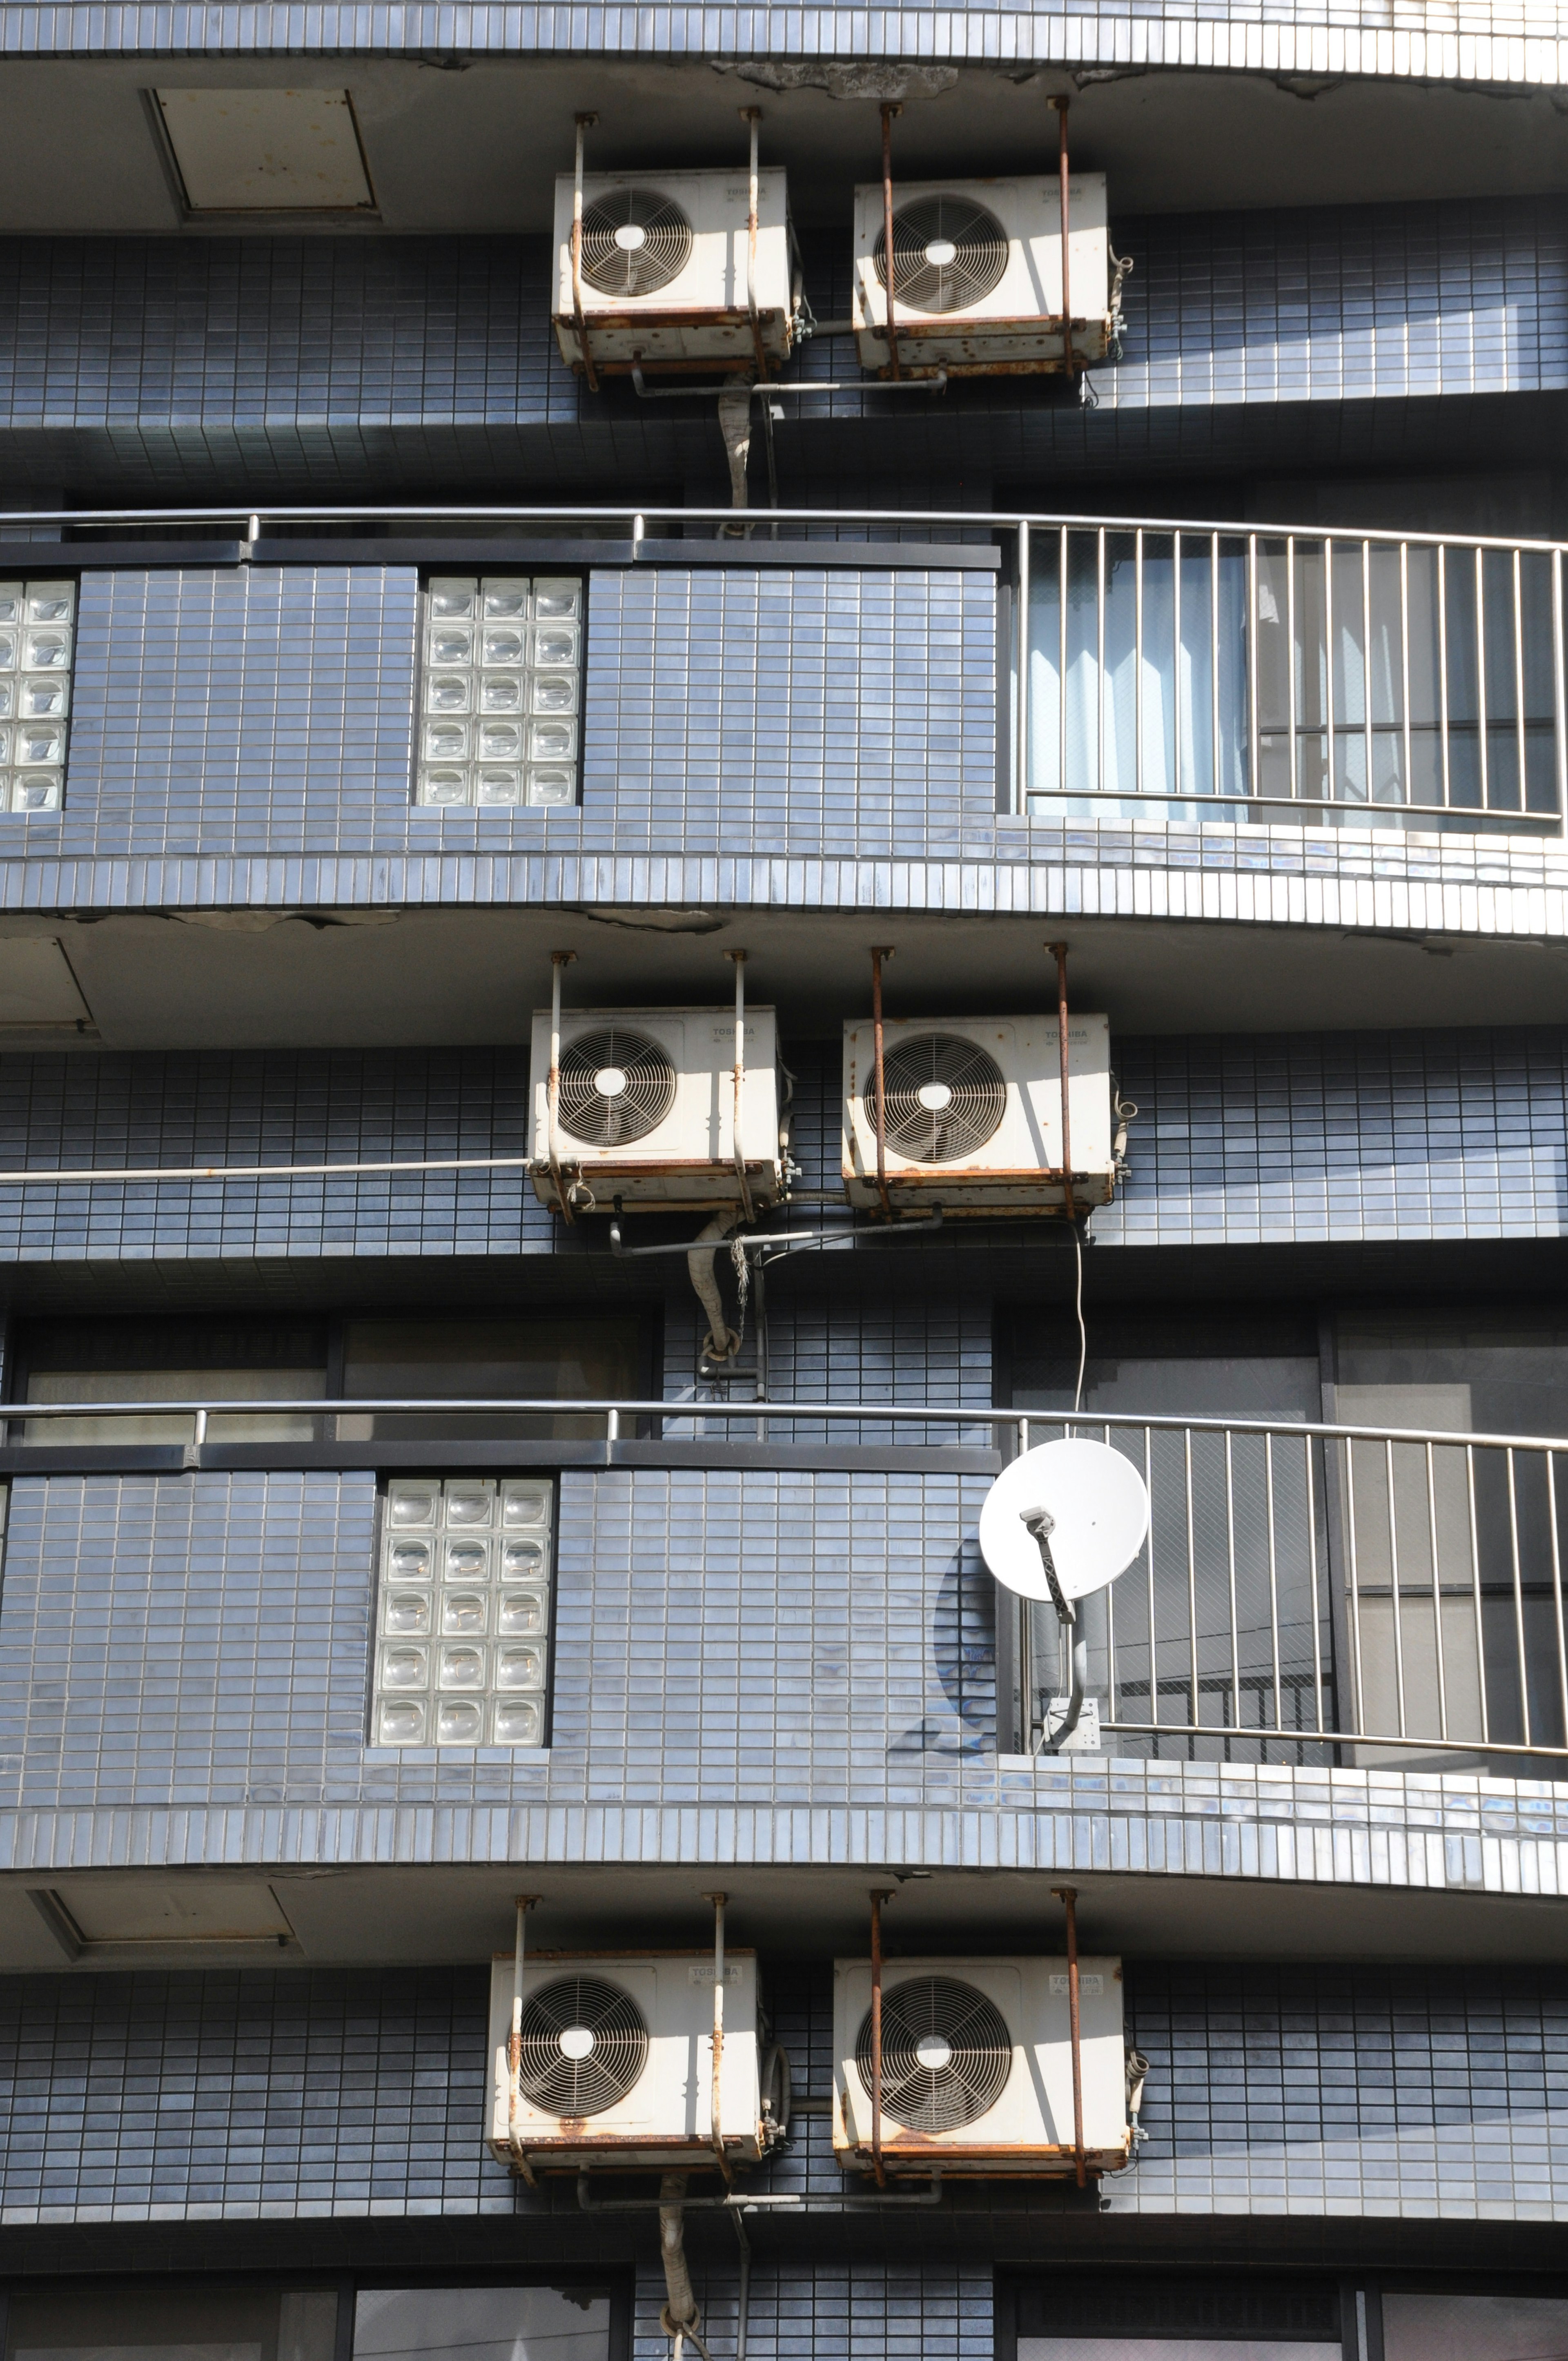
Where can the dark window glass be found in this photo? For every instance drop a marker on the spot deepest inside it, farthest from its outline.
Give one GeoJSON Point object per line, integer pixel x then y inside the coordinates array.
{"type": "Point", "coordinates": [481, 2323]}
{"type": "Point", "coordinates": [192, 2322]}
{"type": "Point", "coordinates": [1177, 1362]}
{"type": "Point", "coordinates": [172, 1360]}
{"type": "Point", "coordinates": [566, 1357]}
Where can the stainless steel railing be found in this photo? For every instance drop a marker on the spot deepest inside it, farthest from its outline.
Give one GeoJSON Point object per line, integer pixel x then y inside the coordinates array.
{"type": "Point", "coordinates": [1232, 670]}
{"type": "Point", "coordinates": [1304, 1589]}
{"type": "Point", "coordinates": [1308, 669]}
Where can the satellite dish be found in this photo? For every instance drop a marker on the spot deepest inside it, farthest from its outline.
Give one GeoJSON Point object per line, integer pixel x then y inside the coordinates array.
{"type": "Point", "coordinates": [1099, 1512]}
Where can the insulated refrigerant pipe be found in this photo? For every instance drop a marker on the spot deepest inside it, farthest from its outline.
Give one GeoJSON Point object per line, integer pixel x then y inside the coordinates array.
{"type": "Point", "coordinates": [1068, 1897]}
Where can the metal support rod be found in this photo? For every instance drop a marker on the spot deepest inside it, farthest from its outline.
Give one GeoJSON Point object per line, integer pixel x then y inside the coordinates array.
{"type": "Point", "coordinates": [1061, 106]}
{"type": "Point", "coordinates": [737, 1117]}
{"type": "Point", "coordinates": [888, 114]}
{"type": "Point", "coordinates": [716, 2112]}
{"type": "Point", "coordinates": [884, 952]}
{"type": "Point", "coordinates": [1068, 1897]}
{"type": "Point", "coordinates": [1021, 763]}
{"type": "Point", "coordinates": [558, 959]}
{"type": "Point", "coordinates": [753, 115]}
{"type": "Point", "coordinates": [1058, 952]}
{"type": "Point", "coordinates": [525, 1903]}
{"type": "Point", "coordinates": [879, 1896]}
{"type": "Point", "coordinates": [585, 122]}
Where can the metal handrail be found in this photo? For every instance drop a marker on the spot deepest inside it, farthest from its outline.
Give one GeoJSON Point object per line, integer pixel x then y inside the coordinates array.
{"type": "Point", "coordinates": [869, 1413]}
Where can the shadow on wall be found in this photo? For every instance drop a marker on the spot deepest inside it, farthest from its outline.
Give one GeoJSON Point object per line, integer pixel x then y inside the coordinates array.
{"type": "Point", "coordinates": [963, 1657]}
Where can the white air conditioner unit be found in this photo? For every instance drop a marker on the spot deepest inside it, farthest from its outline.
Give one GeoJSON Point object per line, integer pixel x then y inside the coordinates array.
{"type": "Point", "coordinates": [977, 2066]}
{"type": "Point", "coordinates": [971, 1113]}
{"type": "Point", "coordinates": [617, 2061]}
{"type": "Point", "coordinates": [662, 269]}
{"type": "Point", "coordinates": [979, 275]}
{"type": "Point", "coordinates": [646, 1104]}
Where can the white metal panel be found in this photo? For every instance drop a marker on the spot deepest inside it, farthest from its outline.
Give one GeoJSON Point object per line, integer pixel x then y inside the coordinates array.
{"type": "Point", "coordinates": [1034, 2110]}
{"type": "Point", "coordinates": [689, 1157]}
{"type": "Point", "coordinates": [671, 2101]}
{"type": "Point", "coordinates": [1003, 326]}
{"type": "Point", "coordinates": [1006, 1170]}
{"type": "Point", "coordinates": [648, 328]}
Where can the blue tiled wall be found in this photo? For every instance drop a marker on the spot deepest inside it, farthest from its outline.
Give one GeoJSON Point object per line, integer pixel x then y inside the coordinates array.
{"type": "Point", "coordinates": [270, 710]}
{"type": "Point", "coordinates": [1243, 1140]}
{"type": "Point", "coordinates": [1409, 2093]}
{"type": "Point", "coordinates": [187, 1641]}
{"type": "Point", "coordinates": [171, 366]}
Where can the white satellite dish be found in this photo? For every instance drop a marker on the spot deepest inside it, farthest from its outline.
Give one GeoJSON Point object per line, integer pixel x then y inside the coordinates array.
{"type": "Point", "coordinates": [1098, 1508]}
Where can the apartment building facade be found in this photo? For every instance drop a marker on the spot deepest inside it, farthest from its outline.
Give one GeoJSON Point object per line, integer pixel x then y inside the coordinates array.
{"type": "Point", "coordinates": [477, 700]}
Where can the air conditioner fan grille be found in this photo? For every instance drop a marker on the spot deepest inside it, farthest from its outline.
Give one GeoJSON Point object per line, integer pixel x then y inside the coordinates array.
{"type": "Point", "coordinates": [634, 242]}
{"type": "Point", "coordinates": [616, 1087]}
{"type": "Point", "coordinates": [948, 253]}
{"type": "Point", "coordinates": [583, 2048]}
{"type": "Point", "coordinates": [946, 2054]}
{"type": "Point", "coordinates": [942, 1098]}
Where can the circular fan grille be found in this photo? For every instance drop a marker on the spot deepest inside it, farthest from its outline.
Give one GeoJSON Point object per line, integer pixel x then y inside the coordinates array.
{"type": "Point", "coordinates": [946, 2054]}
{"type": "Point", "coordinates": [615, 1087]}
{"type": "Point", "coordinates": [584, 2045]}
{"type": "Point", "coordinates": [634, 242]}
{"type": "Point", "coordinates": [942, 1098]}
{"type": "Point", "coordinates": [948, 254]}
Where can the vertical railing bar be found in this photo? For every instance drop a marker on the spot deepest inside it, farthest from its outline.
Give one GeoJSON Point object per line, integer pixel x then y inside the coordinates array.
{"type": "Point", "coordinates": [1394, 1587]}
{"type": "Point", "coordinates": [1405, 664]}
{"type": "Point", "coordinates": [1214, 659]}
{"type": "Point", "coordinates": [1558, 719]}
{"type": "Point", "coordinates": [1442, 667]}
{"type": "Point", "coordinates": [1099, 653]}
{"type": "Point", "coordinates": [1518, 1600]}
{"type": "Point", "coordinates": [1253, 783]}
{"type": "Point", "coordinates": [1476, 1586]}
{"type": "Point", "coordinates": [1329, 658]}
{"type": "Point", "coordinates": [1317, 1619]}
{"type": "Point", "coordinates": [1176, 659]}
{"type": "Point", "coordinates": [1436, 1597]}
{"type": "Point", "coordinates": [1273, 1580]}
{"type": "Point", "coordinates": [1367, 670]}
{"type": "Point", "coordinates": [1481, 681]}
{"type": "Point", "coordinates": [1109, 1626]}
{"type": "Point", "coordinates": [1192, 1592]}
{"type": "Point", "coordinates": [1354, 1570]}
{"type": "Point", "coordinates": [1154, 1663]}
{"type": "Point", "coordinates": [1557, 1593]}
{"type": "Point", "coordinates": [1518, 670]}
{"type": "Point", "coordinates": [1291, 655]}
{"type": "Point", "coordinates": [1139, 661]}
{"type": "Point", "coordinates": [1231, 1576]}
{"type": "Point", "coordinates": [1021, 767]}
{"type": "Point", "coordinates": [1061, 675]}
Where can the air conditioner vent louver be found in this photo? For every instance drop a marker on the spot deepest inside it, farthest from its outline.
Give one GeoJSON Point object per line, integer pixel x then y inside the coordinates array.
{"type": "Point", "coordinates": [948, 254]}
{"type": "Point", "coordinates": [583, 2048]}
{"type": "Point", "coordinates": [634, 242]}
{"type": "Point", "coordinates": [943, 1098]}
{"type": "Point", "coordinates": [946, 2054]}
{"type": "Point", "coordinates": [616, 1086]}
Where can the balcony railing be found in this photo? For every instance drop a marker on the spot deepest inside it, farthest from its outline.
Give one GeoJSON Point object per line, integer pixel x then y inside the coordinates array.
{"type": "Point", "coordinates": [1207, 669]}
{"type": "Point", "coordinates": [1306, 1591]}
{"type": "Point", "coordinates": [1322, 672]}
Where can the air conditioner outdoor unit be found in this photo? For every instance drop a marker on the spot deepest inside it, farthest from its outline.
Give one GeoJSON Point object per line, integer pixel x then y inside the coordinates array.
{"type": "Point", "coordinates": [616, 2060]}
{"type": "Point", "coordinates": [979, 275]}
{"type": "Point", "coordinates": [646, 1104]}
{"type": "Point", "coordinates": [662, 269]}
{"type": "Point", "coordinates": [971, 1113]}
{"type": "Point", "coordinates": [977, 2066]}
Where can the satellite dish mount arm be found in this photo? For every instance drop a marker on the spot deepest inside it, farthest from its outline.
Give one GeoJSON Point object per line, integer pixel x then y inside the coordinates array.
{"type": "Point", "coordinates": [1042, 1524]}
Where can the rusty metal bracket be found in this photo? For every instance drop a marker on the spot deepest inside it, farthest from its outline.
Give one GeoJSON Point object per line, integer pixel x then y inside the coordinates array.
{"type": "Point", "coordinates": [585, 122]}
{"type": "Point", "coordinates": [1060, 105]}
{"type": "Point", "coordinates": [879, 1896]}
{"type": "Point", "coordinates": [888, 114]}
{"type": "Point", "coordinates": [1058, 952]}
{"type": "Point", "coordinates": [1068, 1897]}
{"type": "Point", "coordinates": [878, 955]}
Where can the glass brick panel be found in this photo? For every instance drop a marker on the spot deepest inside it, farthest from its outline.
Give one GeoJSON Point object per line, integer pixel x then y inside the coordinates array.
{"type": "Point", "coordinates": [501, 692]}
{"type": "Point", "coordinates": [462, 1612]}
{"type": "Point", "coordinates": [38, 646]}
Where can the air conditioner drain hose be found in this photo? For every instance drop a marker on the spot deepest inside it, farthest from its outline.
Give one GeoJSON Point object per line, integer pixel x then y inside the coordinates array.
{"type": "Point", "coordinates": [680, 2319]}
{"type": "Point", "coordinates": [722, 1344]}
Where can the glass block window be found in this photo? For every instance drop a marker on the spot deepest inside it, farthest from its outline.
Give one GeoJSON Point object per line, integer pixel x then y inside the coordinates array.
{"type": "Point", "coordinates": [37, 640]}
{"type": "Point", "coordinates": [500, 690]}
{"type": "Point", "coordinates": [463, 1614]}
